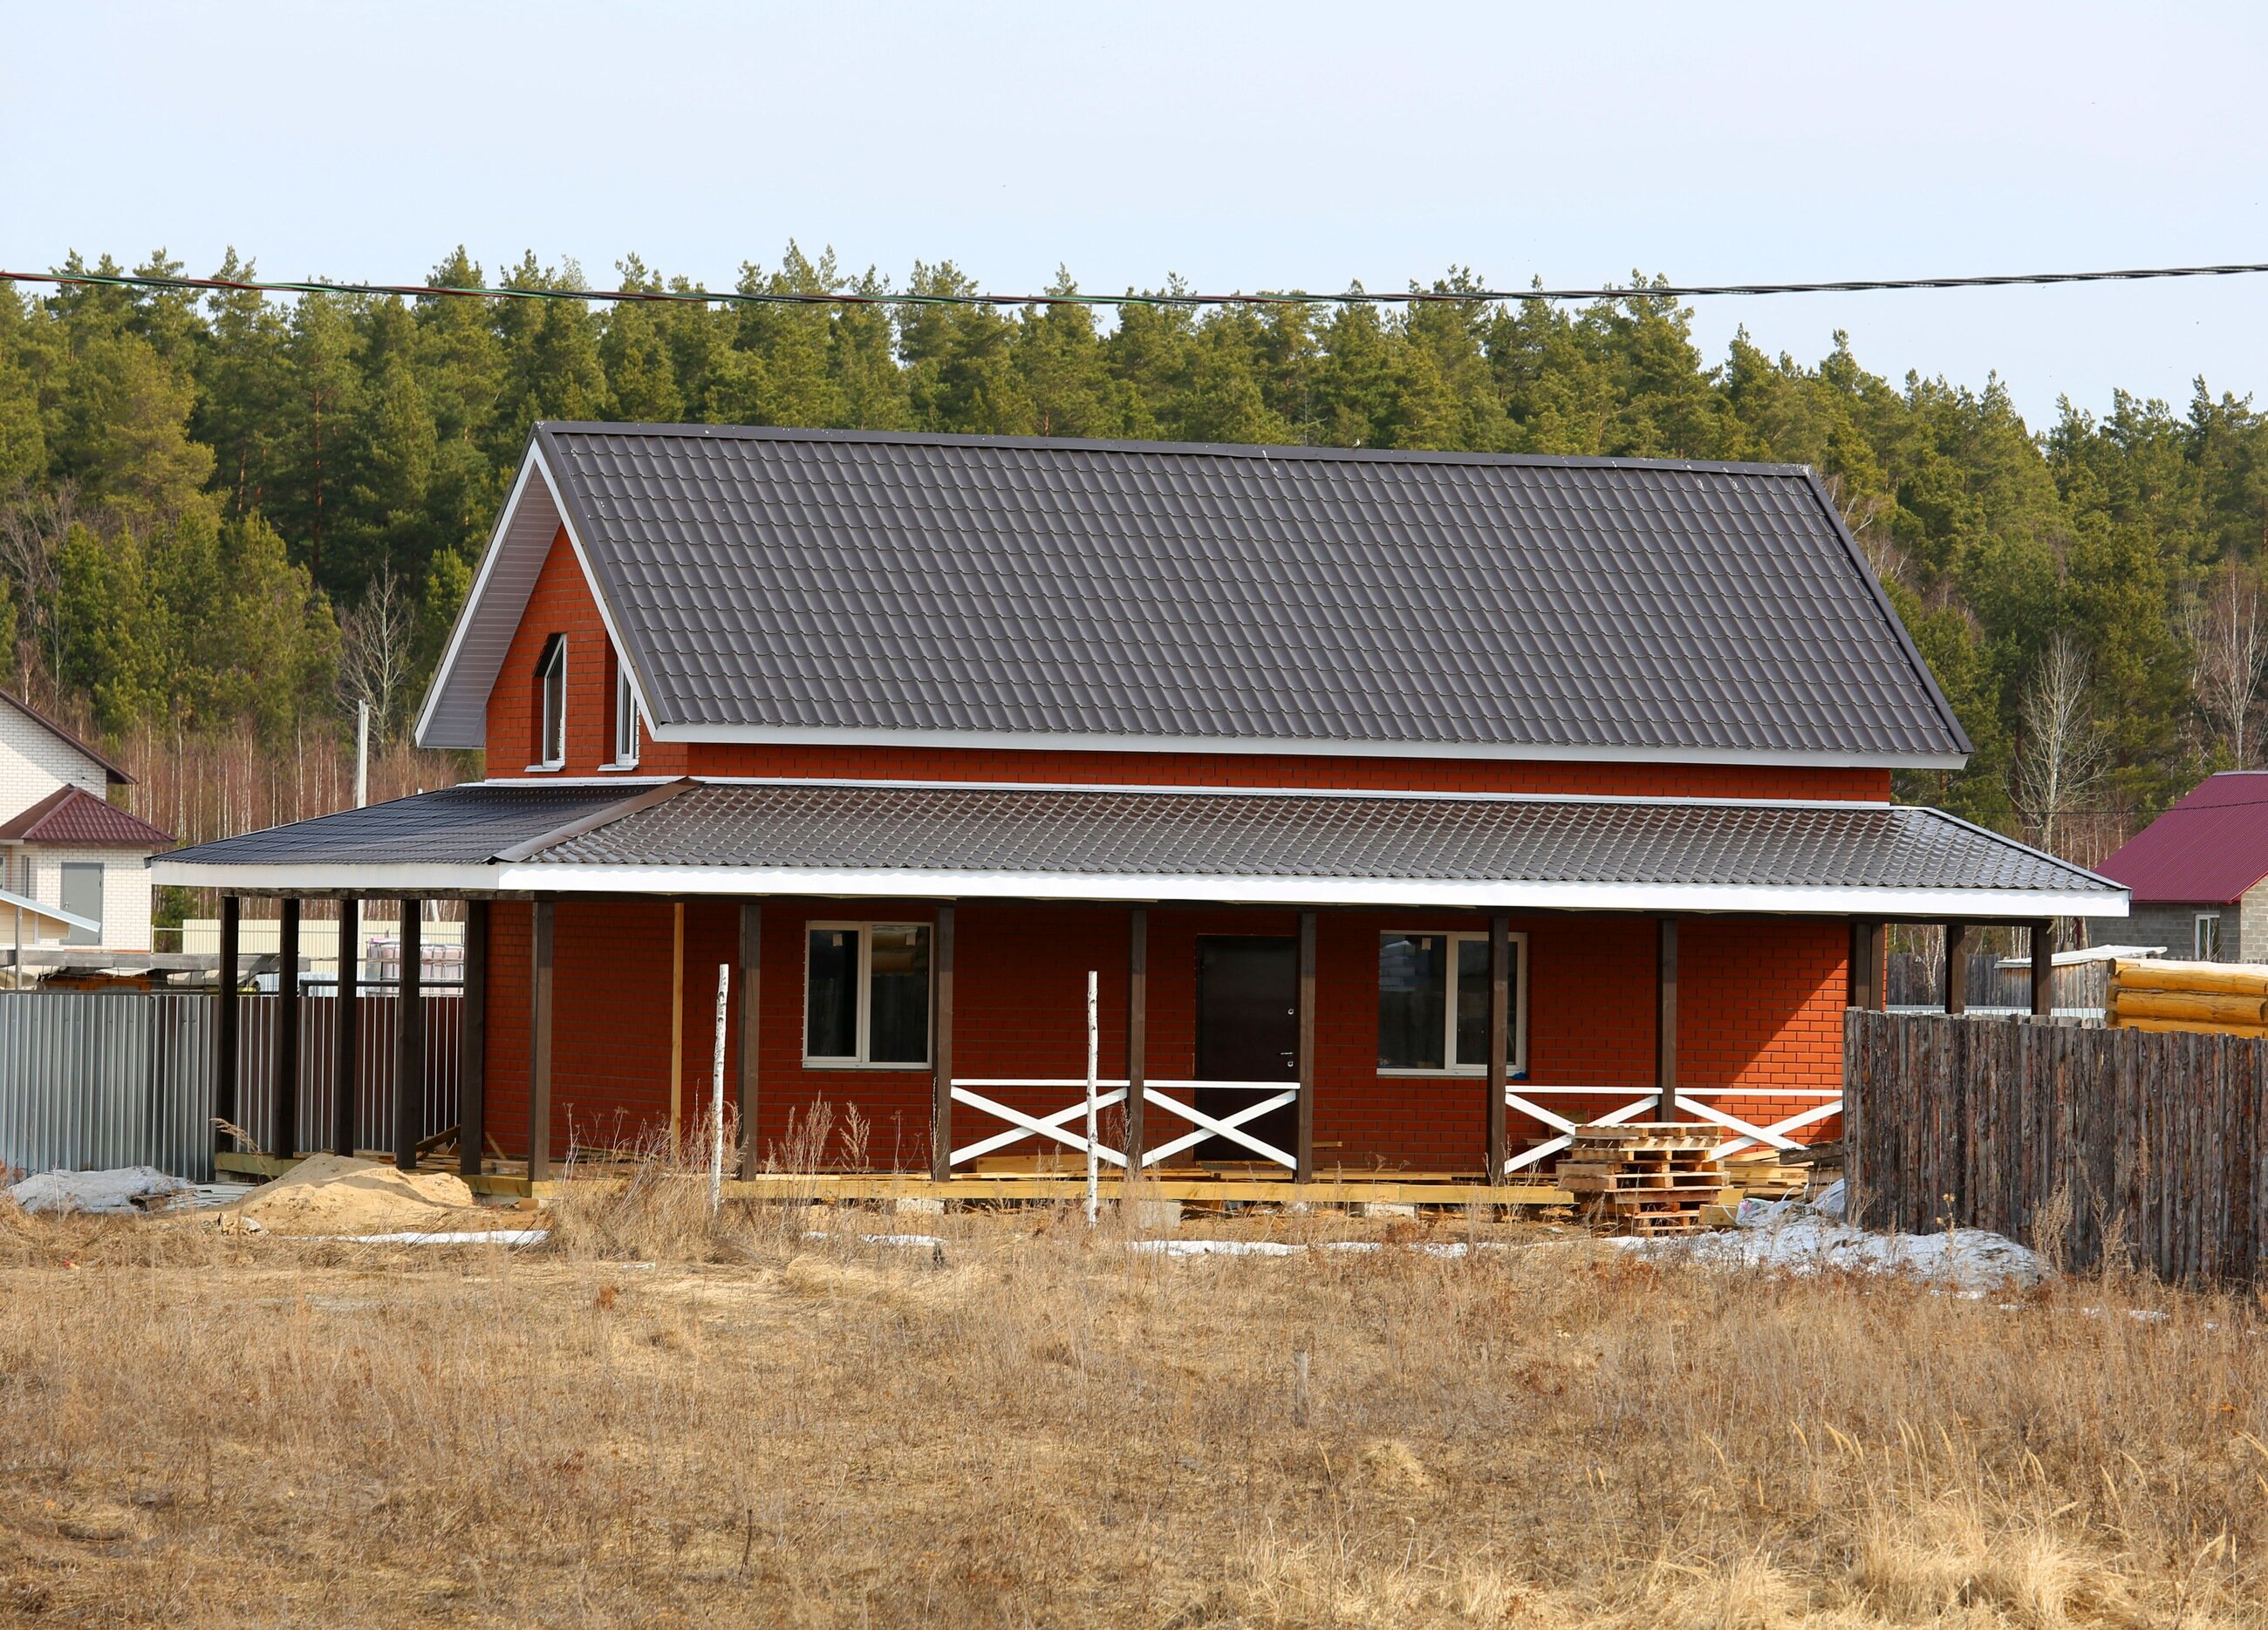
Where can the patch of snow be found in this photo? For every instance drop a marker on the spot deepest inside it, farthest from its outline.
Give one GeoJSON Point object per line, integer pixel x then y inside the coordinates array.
{"type": "Point", "coordinates": [450, 1237]}
{"type": "Point", "coordinates": [110, 1193]}
{"type": "Point", "coordinates": [1796, 1239]}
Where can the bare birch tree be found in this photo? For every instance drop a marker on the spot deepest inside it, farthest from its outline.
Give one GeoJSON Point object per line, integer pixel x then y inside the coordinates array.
{"type": "Point", "coordinates": [375, 651]}
{"type": "Point", "coordinates": [2061, 756]}
{"type": "Point", "coordinates": [2230, 648]}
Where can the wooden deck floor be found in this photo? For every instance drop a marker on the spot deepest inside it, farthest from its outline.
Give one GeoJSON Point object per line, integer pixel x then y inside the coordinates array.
{"type": "Point", "coordinates": [510, 1179]}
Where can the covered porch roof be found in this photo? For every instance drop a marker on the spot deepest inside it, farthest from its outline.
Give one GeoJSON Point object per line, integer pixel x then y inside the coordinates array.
{"type": "Point", "coordinates": [894, 840]}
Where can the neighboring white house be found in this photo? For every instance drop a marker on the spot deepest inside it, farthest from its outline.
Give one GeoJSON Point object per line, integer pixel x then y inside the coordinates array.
{"type": "Point", "coordinates": [74, 867]}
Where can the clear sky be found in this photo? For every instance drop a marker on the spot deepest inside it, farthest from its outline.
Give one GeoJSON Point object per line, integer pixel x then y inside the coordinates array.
{"type": "Point", "coordinates": [1242, 146]}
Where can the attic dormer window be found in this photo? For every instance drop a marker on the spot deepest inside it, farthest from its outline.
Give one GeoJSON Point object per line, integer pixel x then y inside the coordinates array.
{"type": "Point", "coordinates": [551, 704]}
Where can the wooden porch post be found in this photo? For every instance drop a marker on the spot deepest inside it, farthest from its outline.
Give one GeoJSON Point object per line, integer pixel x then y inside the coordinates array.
{"type": "Point", "coordinates": [752, 970]}
{"type": "Point", "coordinates": [409, 1038]}
{"type": "Point", "coordinates": [472, 1044]}
{"type": "Point", "coordinates": [539, 1071]}
{"type": "Point", "coordinates": [1878, 966]}
{"type": "Point", "coordinates": [940, 1119]}
{"type": "Point", "coordinates": [224, 1017]}
{"type": "Point", "coordinates": [2043, 943]}
{"type": "Point", "coordinates": [1304, 1151]}
{"type": "Point", "coordinates": [1500, 1039]}
{"type": "Point", "coordinates": [283, 1115]}
{"type": "Point", "coordinates": [1665, 1019]}
{"type": "Point", "coordinates": [1138, 1032]}
{"type": "Point", "coordinates": [346, 1053]}
{"type": "Point", "coordinates": [1957, 967]}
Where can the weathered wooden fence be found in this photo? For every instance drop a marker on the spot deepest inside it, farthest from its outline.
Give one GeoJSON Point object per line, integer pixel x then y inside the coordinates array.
{"type": "Point", "coordinates": [2152, 1143]}
{"type": "Point", "coordinates": [125, 1078]}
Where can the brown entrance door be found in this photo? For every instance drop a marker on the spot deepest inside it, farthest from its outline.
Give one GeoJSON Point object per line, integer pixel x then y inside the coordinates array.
{"type": "Point", "coordinates": [1248, 1030]}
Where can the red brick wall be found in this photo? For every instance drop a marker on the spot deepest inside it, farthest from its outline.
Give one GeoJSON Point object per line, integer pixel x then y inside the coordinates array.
{"type": "Point", "coordinates": [561, 603]}
{"type": "Point", "coordinates": [1760, 1005]}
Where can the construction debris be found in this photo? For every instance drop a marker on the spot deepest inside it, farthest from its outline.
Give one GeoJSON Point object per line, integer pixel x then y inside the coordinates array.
{"type": "Point", "coordinates": [1765, 1174]}
{"type": "Point", "coordinates": [119, 1191]}
{"type": "Point", "coordinates": [1648, 1177]}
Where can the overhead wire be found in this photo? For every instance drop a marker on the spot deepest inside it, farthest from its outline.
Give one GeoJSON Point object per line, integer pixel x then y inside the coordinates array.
{"type": "Point", "coordinates": [82, 278]}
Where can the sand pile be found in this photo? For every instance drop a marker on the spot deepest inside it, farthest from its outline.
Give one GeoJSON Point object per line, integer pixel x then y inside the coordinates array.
{"type": "Point", "coordinates": [330, 1194]}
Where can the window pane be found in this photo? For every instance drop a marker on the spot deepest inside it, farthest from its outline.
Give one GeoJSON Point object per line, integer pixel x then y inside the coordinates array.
{"type": "Point", "coordinates": [830, 1021]}
{"type": "Point", "coordinates": [897, 1030]}
{"type": "Point", "coordinates": [1472, 1001]}
{"type": "Point", "coordinates": [1412, 990]}
{"type": "Point", "coordinates": [625, 721]}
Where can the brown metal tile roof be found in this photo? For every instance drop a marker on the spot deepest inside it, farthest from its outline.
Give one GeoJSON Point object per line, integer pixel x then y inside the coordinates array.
{"type": "Point", "coordinates": [73, 818]}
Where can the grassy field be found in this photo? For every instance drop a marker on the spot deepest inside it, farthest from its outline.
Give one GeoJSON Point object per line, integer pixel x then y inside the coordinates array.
{"type": "Point", "coordinates": [649, 1421]}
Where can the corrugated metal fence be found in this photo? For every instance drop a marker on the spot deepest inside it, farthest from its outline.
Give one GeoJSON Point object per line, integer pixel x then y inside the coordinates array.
{"type": "Point", "coordinates": [124, 1078]}
{"type": "Point", "coordinates": [2157, 1144]}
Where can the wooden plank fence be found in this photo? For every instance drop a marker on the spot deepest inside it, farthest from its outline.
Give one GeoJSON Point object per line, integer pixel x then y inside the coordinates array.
{"type": "Point", "coordinates": [2154, 1142]}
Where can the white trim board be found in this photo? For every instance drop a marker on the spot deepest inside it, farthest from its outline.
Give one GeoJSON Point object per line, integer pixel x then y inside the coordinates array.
{"type": "Point", "coordinates": [1509, 895]}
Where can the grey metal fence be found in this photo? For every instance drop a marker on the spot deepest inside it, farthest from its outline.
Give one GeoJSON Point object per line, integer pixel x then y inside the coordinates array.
{"type": "Point", "coordinates": [123, 1078]}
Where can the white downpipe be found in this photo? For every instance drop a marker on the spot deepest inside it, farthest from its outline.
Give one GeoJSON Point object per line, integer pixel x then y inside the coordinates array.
{"type": "Point", "coordinates": [716, 1097]}
{"type": "Point", "coordinates": [1094, 1160]}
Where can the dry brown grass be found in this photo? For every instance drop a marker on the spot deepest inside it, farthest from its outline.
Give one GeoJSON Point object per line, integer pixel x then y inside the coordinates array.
{"type": "Point", "coordinates": [661, 1420]}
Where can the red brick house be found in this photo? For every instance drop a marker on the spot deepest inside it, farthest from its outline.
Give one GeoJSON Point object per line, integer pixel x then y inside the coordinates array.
{"type": "Point", "coordinates": [1408, 806]}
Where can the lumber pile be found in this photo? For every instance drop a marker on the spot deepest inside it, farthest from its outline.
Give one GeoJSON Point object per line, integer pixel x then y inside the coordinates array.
{"type": "Point", "coordinates": [2220, 998]}
{"type": "Point", "coordinates": [1649, 1177]}
{"type": "Point", "coordinates": [1765, 1174]}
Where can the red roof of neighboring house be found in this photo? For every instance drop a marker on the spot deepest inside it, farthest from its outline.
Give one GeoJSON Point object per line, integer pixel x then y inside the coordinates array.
{"type": "Point", "coordinates": [2207, 849]}
{"type": "Point", "coordinates": [73, 818]}
{"type": "Point", "coordinates": [117, 775]}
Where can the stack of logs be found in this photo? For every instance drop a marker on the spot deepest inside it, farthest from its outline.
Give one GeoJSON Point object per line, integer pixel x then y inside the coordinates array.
{"type": "Point", "coordinates": [1649, 1177]}
{"type": "Point", "coordinates": [2222, 998]}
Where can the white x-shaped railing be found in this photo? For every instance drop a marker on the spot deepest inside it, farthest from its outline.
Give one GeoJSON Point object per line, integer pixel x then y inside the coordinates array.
{"type": "Point", "coordinates": [1522, 1095]}
{"type": "Point", "coordinates": [1108, 1094]}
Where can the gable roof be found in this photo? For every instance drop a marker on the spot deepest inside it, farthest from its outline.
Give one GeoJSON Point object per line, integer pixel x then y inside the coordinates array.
{"type": "Point", "coordinates": [113, 773]}
{"type": "Point", "coordinates": [72, 816]}
{"type": "Point", "coordinates": [2208, 848]}
{"type": "Point", "coordinates": [816, 586]}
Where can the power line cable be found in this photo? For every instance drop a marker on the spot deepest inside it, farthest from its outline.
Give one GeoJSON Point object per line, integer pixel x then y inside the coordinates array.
{"type": "Point", "coordinates": [1353, 297]}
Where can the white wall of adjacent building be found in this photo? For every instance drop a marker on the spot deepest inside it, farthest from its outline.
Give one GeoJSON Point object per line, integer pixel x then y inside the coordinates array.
{"type": "Point", "coordinates": [34, 761]}
{"type": "Point", "coordinates": [125, 880]}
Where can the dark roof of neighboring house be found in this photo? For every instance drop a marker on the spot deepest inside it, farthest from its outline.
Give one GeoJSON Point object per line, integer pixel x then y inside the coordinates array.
{"type": "Point", "coordinates": [2207, 849]}
{"type": "Point", "coordinates": [996, 839]}
{"type": "Point", "coordinates": [73, 818]}
{"type": "Point", "coordinates": [772, 585]}
{"type": "Point", "coordinates": [116, 774]}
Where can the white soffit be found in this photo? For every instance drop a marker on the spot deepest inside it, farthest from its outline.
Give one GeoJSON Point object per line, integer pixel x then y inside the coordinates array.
{"type": "Point", "coordinates": [457, 708]}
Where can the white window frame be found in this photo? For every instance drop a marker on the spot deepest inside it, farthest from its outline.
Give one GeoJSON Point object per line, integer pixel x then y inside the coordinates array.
{"type": "Point", "coordinates": [2197, 935]}
{"type": "Point", "coordinates": [864, 929]}
{"type": "Point", "coordinates": [1516, 1065]}
{"type": "Point", "coordinates": [550, 680]}
{"type": "Point", "coordinates": [626, 718]}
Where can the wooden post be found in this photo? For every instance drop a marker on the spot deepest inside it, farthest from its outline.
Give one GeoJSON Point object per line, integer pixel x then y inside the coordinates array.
{"type": "Point", "coordinates": [346, 1053]}
{"type": "Point", "coordinates": [1138, 1032]}
{"type": "Point", "coordinates": [224, 1017]}
{"type": "Point", "coordinates": [1665, 1019]}
{"type": "Point", "coordinates": [676, 1024]}
{"type": "Point", "coordinates": [409, 1038]}
{"type": "Point", "coordinates": [1957, 967]}
{"type": "Point", "coordinates": [1305, 1149]}
{"type": "Point", "coordinates": [1878, 966]}
{"type": "Point", "coordinates": [751, 967]}
{"type": "Point", "coordinates": [1499, 1040]}
{"type": "Point", "coordinates": [2043, 940]}
{"type": "Point", "coordinates": [941, 1118]}
{"type": "Point", "coordinates": [539, 1072]}
{"type": "Point", "coordinates": [283, 1115]}
{"type": "Point", "coordinates": [472, 1044]}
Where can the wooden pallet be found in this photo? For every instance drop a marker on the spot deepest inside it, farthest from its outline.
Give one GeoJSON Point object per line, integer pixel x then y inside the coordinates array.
{"type": "Point", "coordinates": [1651, 1178]}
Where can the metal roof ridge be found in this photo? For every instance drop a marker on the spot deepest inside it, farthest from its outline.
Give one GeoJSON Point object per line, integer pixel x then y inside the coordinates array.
{"type": "Point", "coordinates": [1252, 451]}
{"type": "Point", "coordinates": [606, 815]}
